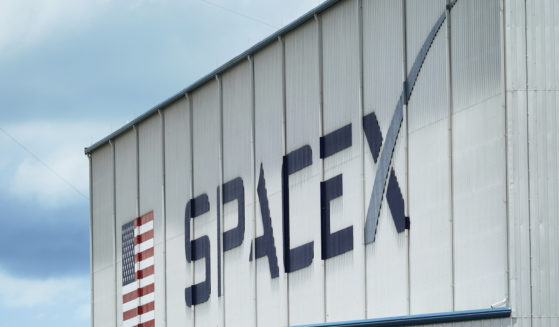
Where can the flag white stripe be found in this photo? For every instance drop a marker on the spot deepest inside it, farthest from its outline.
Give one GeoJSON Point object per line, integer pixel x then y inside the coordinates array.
{"type": "Point", "coordinates": [147, 316]}
{"type": "Point", "coordinates": [143, 246]}
{"type": "Point", "coordinates": [131, 322]}
{"type": "Point", "coordinates": [145, 263]}
{"type": "Point", "coordinates": [145, 227]}
{"type": "Point", "coordinates": [146, 281]}
{"type": "Point", "coordinates": [130, 287]}
{"type": "Point", "coordinates": [130, 305]}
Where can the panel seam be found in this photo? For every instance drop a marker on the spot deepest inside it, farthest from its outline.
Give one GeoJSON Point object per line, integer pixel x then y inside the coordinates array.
{"type": "Point", "coordinates": [451, 150]}
{"type": "Point", "coordinates": [526, 86]}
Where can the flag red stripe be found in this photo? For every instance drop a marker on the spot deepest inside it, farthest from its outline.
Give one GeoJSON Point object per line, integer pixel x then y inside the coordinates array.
{"type": "Point", "coordinates": [143, 219]}
{"type": "Point", "coordinates": [144, 255]}
{"type": "Point", "coordinates": [143, 237]}
{"type": "Point", "coordinates": [150, 323]}
{"type": "Point", "coordinates": [138, 311]}
{"type": "Point", "coordinates": [138, 293]}
{"type": "Point", "coordinates": [144, 272]}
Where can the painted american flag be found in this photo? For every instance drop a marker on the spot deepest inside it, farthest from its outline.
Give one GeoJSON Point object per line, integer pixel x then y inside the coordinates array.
{"type": "Point", "coordinates": [138, 280]}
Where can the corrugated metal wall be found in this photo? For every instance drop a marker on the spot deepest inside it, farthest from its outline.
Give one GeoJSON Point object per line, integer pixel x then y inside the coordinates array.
{"type": "Point", "coordinates": [341, 82]}
{"type": "Point", "coordinates": [542, 38]}
{"type": "Point", "coordinates": [517, 162]}
{"type": "Point", "coordinates": [104, 255]}
{"type": "Point", "coordinates": [475, 162]}
{"type": "Point", "coordinates": [207, 176]}
{"type": "Point", "coordinates": [126, 201]}
{"type": "Point", "coordinates": [531, 81]}
{"type": "Point", "coordinates": [430, 198]}
{"type": "Point", "coordinates": [302, 127]}
{"type": "Point", "coordinates": [239, 291]}
{"type": "Point", "coordinates": [269, 129]}
{"type": "Point", "coordinates": [479, 155]}
{"type": "Point", "coordinates": [178, 186]}
{"type": "Point", "coordinates": [383, 74]}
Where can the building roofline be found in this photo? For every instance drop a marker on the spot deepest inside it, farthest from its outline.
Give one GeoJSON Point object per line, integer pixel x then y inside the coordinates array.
{"type": "Point", "coordinates": [251, 51]}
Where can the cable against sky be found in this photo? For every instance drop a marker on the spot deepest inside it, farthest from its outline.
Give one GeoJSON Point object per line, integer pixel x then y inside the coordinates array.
{"type": "Point", "coordinates": [54, 172]}
{"type": "Point", "coordinates": [239, 13]}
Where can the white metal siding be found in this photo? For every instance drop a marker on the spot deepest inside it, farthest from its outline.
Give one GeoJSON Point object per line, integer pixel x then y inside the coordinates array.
{"type": "Point", "coordinates": [238, 273]}
{"type": "Point", "coordinates": [178, 179]}
{"type": "Point", "coordinates": [517, 161]}
{"type": "Point", "coordinates": [431, 275]}
{"type": "Point", "coordinates": [206, 126]}
{"type": "Point", "coordinates": [387, 257]}
{"type": "Point", "coordinates": [269, 142]}
{"type": "Point", "coordinates": [345, 273]}
{"type": "Point", "coordinates": [542, 38]}
{"type": "Point", "coordinates": [306, 286]}
{"type": "Point", "coordinates": [103, 230]}
{"type": "Point", "coordinates": [543, 125]}
{"type": "Point", "coordinates": [126, 198]}
{"type": "Point", "coordinates": [479, 158]}
{"type": "Point", "coordinates": [150, 156]}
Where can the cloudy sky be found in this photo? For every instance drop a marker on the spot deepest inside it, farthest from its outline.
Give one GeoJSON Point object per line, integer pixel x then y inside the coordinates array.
{"type": "Point", "coordinates": [71, 72]}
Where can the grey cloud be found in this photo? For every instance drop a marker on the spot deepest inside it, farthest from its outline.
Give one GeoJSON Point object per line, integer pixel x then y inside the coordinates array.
{"type": "Point", "coordinates": [36, 242]}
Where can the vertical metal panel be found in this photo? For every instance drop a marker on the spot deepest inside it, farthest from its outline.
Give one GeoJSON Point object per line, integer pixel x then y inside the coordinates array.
{"type": "Point", "coordinates": [206, 178]}
{"type": "Point", "coordinates": [429, 165]}
{"type": "Point", "coordinates": [421, 16]}
{"type": "Point", "coordinates": [387, 257]}
{"type": "Point", "coordinates": [177, 192]}
{"type": "Point", "coordinates": [544, 208]}
{"type": "Point", "coordinates": [102, 198]}
{"type": "Point", "coordinates": [475, 49]}
{"type": "Point", "coordinates": [268, 82]}
{"type": "Point", "coordinates": [345, 280]}
{"type": "Point", "coordinates": [126, 191]}
{"type": "Point", "coordinates": [104, 243]}
{"type": "Point", "coordinates": [306, 286]}
{"type": "Point", "coordinates": [517, 162]}
{"type": "Point", "coordinates": [104, 303]}
{"type": "Point", "coordinates": [480, 213]}
{"type": "Point", "coordinates": [515, 44]}
{"type": "Point", "coordinates": [151, 198]}
{"type": "Point", "coordinates": [518, 207]}
{"type": "Point", "coordinates": [479, 161]}
{"type": "Point", "coordinates": [238, 273]}
{"type": "Point", "coordinates": [542, 38]}
{"type": "Point", "coordinates": [151, 172]}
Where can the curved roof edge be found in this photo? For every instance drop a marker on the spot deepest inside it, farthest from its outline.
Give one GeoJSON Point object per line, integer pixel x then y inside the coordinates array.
{"type": "Point", "coordinates": [252, 50]}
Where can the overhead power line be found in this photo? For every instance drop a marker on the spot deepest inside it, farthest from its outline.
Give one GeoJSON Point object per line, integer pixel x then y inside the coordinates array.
{"type": "Point", "coordinates": [263, 22]}
{"type": "Point", "coordinates": [31, 153]}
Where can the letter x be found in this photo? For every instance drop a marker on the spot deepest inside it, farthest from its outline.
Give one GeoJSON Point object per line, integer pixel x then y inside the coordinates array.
{"type": "Point", "coordinates": [393, 194]}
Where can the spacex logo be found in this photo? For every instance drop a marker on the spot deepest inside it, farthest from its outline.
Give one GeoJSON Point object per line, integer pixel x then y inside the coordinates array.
{"type": "Point", "coordinates": [333, 243]}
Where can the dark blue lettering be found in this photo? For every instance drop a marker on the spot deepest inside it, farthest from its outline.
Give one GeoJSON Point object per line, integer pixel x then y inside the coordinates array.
{"type": "Point", "coordinates": [196, 250]}
{"type": "Point", "coordinates": [264, 246]}
{"type": "Point", "coordinates": [333, 244]}
{"type": "Point", "coordinates": [301, 256]}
